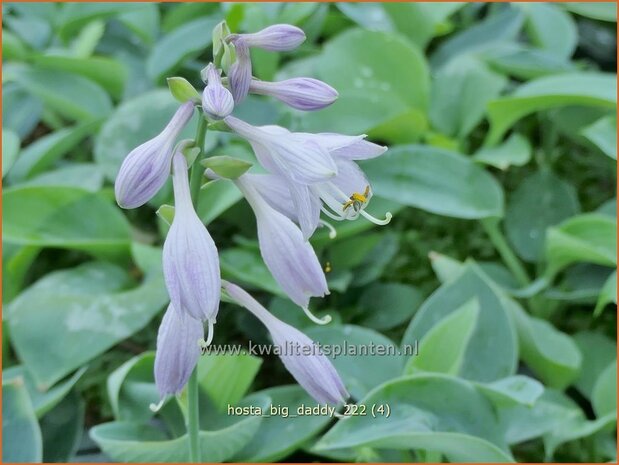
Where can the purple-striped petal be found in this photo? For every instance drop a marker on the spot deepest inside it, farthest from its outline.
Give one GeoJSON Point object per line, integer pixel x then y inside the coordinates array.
{"type": "Point", "coordinates": [301, 93]}
{"type": "Point", "coordinates": [147, 167]}
{"type": "Point", "coordinates": [217, 101]}
{"type": "Point", "coordinates": [177, 351]}
{"type": "Point", "coordinates": [190, 260]}
{"type": "Point", "coordinates": [276, 38]}
{"type": "Point", "coordinates": [314, 372]}
{"type": "Point", "coordinates": [239, 75]}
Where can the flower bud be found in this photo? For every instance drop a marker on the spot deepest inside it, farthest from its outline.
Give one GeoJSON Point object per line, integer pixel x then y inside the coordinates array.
{"type": "Point", "coordinates": [146, 168]}
{"type": "Point", "coordinates": [239, 75]}
{"type": "Point", "coordinates": [276, 38]}
{"type": "Point", "coordinates": [301, 93]}
{"type": "Point", "coordinates": [190, 261]}
{"type": "Point", "coordinates": [217, 101]}
{"type": "Point", "coordinates": [177, 351]}
{"type": "Point", "coordinates": [300, 355]}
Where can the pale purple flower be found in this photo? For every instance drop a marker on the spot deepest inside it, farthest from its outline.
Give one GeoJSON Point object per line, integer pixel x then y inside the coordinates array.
{"type": "Point", "coordinates": [190, 260]}
{"type": "Point", "coordinates": [147, 167]}
{"type": "Point", "coordinates": [300, 355]}
{"type": "Point", "coordinates": [239, 75]}
{"type": "Point", "coordinates": [290, 259]}
{"type": "Point", "coordinates": [291, 154]}
{"type": "Point", "coordinates": [178, 350]}
{"type": "Point", "coordinates": [301, 93]}
{"type": "Point", "coordinates": [276, 38]}
{"type": "Point", "coordinates": [217, 101]}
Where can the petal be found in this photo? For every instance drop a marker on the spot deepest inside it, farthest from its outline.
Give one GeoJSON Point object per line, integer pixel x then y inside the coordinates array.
{"type": "Point", "coordinates": [276, 38]}
{"type": "Point", "coordinates": [240, 74]}
{"type": "Point", "coordinates": [307, 206]}
{"type": "Point", "coordinates": [350, 178]}
{"type": "Point", "coordinates": [177, 351]}
{"type": "Point", "coordinates": [274, 189]}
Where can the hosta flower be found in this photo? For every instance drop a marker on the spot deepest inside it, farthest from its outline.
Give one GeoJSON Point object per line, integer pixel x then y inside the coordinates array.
{"type": "Point", "coordinates": [190, 261]}
{"type": "Point", "coordinates": [290, 259]}
{"type": "Point", "coordinates": [276, 38]}
{"type": "Point", "coordinates": [217, 101]}
{"type": "Point", "coordinates": [301, 93]}
{"type": "Point", "coordinates": [314, 372]}
{"type": "Point", "coordinates": [147, 167]}
{"type": "Point", "coordinates": [178, 350]}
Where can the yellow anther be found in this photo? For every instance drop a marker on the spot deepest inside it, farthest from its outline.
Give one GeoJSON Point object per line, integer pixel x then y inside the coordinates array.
{"type": "Point", "coordinates": [328, 267]}
{"type": "Point", "coordinates": [357, 200]}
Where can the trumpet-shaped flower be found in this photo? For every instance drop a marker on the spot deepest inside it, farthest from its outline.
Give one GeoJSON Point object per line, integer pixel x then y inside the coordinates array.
{"type": "Point", "coordinates": [301, 93]}
{"type": "Point", "coordinates": [147, 167]}
{"type": "Point", "coordinates": [290, 259]}
{"type": "Point", "coordinates": [190, 261]}
{"type": "Point", "coordinates": [275, 38]}
{"type": "Point", "coordinates": [239, 75]}
{"type": "Point", "coordinates": [178, 351]}
{"type": "Point", "coordinates": [300, 355]}
{"type": "Point", "coordinates": [217, 101]}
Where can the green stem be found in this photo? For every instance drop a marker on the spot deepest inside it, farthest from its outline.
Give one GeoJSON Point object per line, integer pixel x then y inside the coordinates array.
{"type": "Point", "coordinates": [491, 226]}
{"type": "Point", "coordinates": [197, 170]}
{"type": "Point", "coordinates": [193, 399]}
{"type": "Point", "coordinates": [193, 417]}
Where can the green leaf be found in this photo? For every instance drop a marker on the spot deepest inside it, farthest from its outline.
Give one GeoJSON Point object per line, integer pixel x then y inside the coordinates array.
{"type": "Point", "coordinates": [21, 109]}
{"type": "Point", "coordinates": [184, 42]}
{"type": "Point", "coordinates": [227, 377]}
{"type": "Point", "coordinates": [589, 89]}
{"type": "Point", "coordinates": [216, 197]}
{"type": "Point", "coordinates": [524, 62]}
{"type": "Point", "coordinates": [74, 16]}
{"type": "Point", "coordinates": [88, 309]}
{"type": "Point", "coordinates": [88, 38]}
{"type": "Point", "coordinates": [182, 90]}
{"type": "Point", "coordinates": [442, 348]}
{"type": "Point", "coordinates": [132, 123]}
{"type": "Point", "coordinates": [494, 327]}
{"type": "Point", "coordinates": [515, 151]}
{"type": "Point", "coordinates": [598, 351]}
{"type": "Point", "coordinates": [42, 400]}
{"type": "Point", "coordinates": [493, 31]}
{"type": "Point", "coordinates": [10, 150]}
{"type": "Point", "coordinates": [20, 431]}
{"type": "Point", "coordinates": [248, 267]}
{"type": "Point", "coordinates": [135, 442]}
{"type": "Point", "coordinates": [70, 95]}
{"type": "Point", "coordinates": [375, 71]}
{"type": "Point", "coordinates": [131, 388]}
{"type": "Point", "coordinates": [540, 201]}
{"type": "Point", "coordinates": [604, 395]}
{"type": "Point", "coordinates": [436, 180]}
{"type": "Point", "coordinates": [226, 167]}
{"type": "Point", "coordinates": [45, 151]}
{"type": "Point", "coordinates": [12, 46]}
{"type": "Point", "coordinates": [603, 133]}
{"type": "Point", "coordinates": [551, 29]}
{"type": "Point", "coordinates": [518, 389]}
{"type": "Point", "coordinates": [55, 217]}
{"type": "Point", "coordinates": [360, 369]}
{"type": "Point", "coordinates": [588, 238]}
{"type": "Point", "coordinates": [62, 429]}
{"type": "Point", "coordinates": [108, 73]}
{"type": "Point", "coordinates": [87, 176]}
{"type": "Point", "coordinates": [460, 93]}
{"type": "Point", "coordinates": [607, 295]}
{"type": "Point", "coordinates": [267, 445]}
{"type": "Point", "coordinates": [552, 355]}
{"type": "Point", "coordinates": [604, 11]}
{"type": "Point", "coordinates": [401, 300]}
{"type": "Point", "coordinates": [434, 412]}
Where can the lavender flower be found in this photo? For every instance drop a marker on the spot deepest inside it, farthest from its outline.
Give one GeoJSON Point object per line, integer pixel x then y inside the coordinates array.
{"type": "Point", "coordinates": [291, 260]}
{"type": "Point", "coordinates": [146, 168]}
{"type": "Point", "coordinates": [190, 260]}
{"type": "Point", "coordinates": [276, 38]}
{"type": "Point", "coordinates": [314, 372]}
{"type": "Point", "coordinates": [217, 101]}
{"type": "Point", "coordinates": [301, 93]}
{"type": "Point", "coordinates": [239, 75]}
{"type": "Point", "coordinates": [178, 351]}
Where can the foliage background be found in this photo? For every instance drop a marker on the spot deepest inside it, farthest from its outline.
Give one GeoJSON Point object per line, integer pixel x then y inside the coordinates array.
{"type": "Point", "coordinates": [501, 174]}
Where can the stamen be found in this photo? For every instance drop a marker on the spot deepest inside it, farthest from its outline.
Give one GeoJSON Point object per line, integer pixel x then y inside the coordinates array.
{"type": "Point", "coordinates": [319, 321]}
{"type": "Point", "coordinates": [156, 407]}
{"type": "Point", "coordinates": [374, 220]}
{"type": "Point", "coordinates": [209, 334]}
{"type": "Point", "coordinates": [331, 215]}
{"type": "Point", "coordinates": [329, 226]}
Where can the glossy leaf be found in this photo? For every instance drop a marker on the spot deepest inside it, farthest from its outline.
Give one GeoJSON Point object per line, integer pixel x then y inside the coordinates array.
{"type": "Point", "coordinates": [515, 151]}
{"type": "Point", "coordinates": [435, 180]}
{"type": "Point", "coordinates": [603, 133]}
{"type": "Point", "coordinates": [20, 431]}
{"type": "Point", "coordinates": [10, 149]}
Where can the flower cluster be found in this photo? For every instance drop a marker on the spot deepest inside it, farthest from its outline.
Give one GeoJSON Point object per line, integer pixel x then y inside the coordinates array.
{"type": "Point", "coordinates": [306, 174]}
